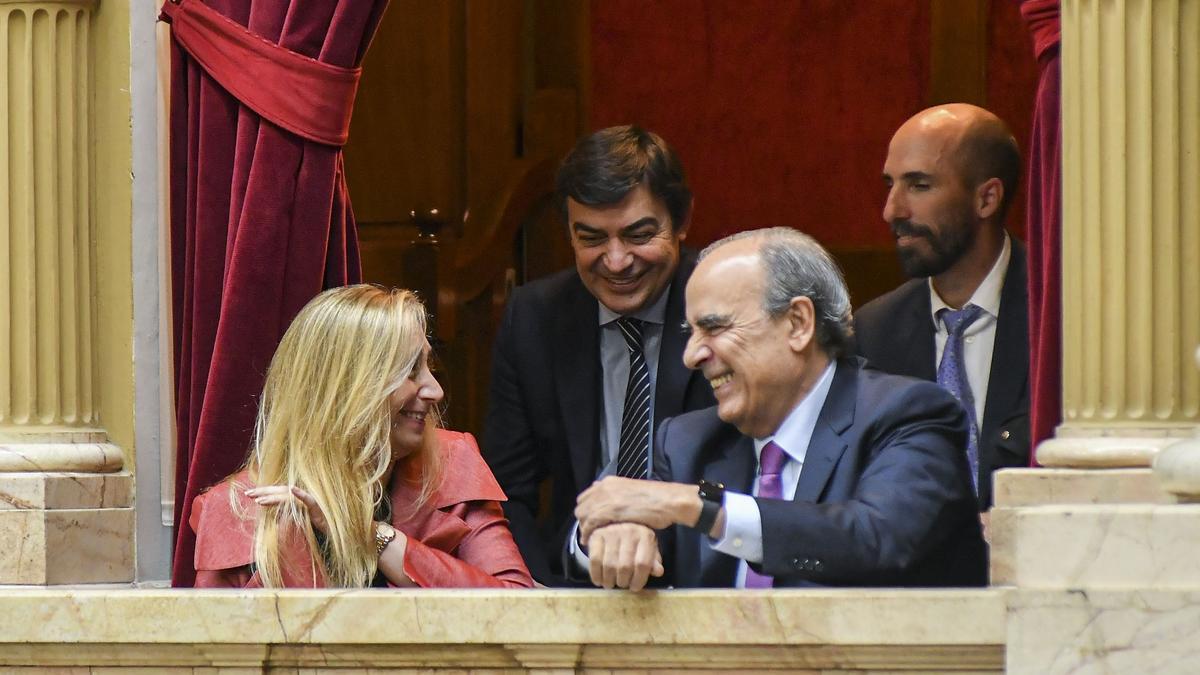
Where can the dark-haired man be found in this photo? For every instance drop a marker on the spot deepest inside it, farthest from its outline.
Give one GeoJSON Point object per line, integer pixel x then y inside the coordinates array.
{"type": "Point", "coordinates": [951, 173]}
{"type": "Point", "coordinates": [810, 470]}
{"type": "Point", "coordinates": [588, 360]}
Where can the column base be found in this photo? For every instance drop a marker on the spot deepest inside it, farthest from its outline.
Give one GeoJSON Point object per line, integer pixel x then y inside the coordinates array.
{"type": "Point", "coordinates": [1103, 546]}
{"type": "Point", "coordinates": [1039, 487]}
{"type": "Point", "coordinates": [53, 449]}
{"type": "Point", "coordinates": [66, 528]}
{"type": "Point", "coordinates": [1088, 447]}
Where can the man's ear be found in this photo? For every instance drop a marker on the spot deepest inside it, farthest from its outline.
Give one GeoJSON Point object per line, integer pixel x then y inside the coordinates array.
{"type": "Point", "coordinates": [802, 323]}
{"type": "Point", "coordinates": [988, 196]}
{"type": "Point", "coordinates": [681, 231]}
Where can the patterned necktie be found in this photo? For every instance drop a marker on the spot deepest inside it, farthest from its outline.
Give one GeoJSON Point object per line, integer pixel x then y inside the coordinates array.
{"type": "Point", "coordinates": [770, 486]}
{"type": "Point", "coordinates": [633, 453]}
{"type": "Point", "coordinates": [952, 375]}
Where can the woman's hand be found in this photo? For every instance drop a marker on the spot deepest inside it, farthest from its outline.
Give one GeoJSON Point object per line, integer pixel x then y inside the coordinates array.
{"type": "Point", "coordinates": [275, 495]}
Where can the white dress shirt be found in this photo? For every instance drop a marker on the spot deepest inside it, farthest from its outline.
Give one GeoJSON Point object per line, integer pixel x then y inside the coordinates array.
{"type": "Point", "coordinates": [979, 339]}
{"type": "Point", "coordinates": [742, 537]}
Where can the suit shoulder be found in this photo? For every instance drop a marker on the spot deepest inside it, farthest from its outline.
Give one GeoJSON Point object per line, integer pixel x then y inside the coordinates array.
{"type": "Point", "coordinates": [691, 428]}
{"type": "Point", "coordinates": [878, 390]}
{"type": "Point", "coordinates": [533, 306]}
{"type": "Point", "coordinates": [884, 308]}
{"type": "Point", "coordinates": [549, 289]}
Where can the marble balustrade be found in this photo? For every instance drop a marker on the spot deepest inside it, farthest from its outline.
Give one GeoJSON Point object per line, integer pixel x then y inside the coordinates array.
{"type": "Point", "coordinates": [164, 631]}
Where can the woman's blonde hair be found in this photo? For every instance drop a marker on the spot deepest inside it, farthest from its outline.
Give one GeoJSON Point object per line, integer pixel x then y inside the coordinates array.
{"type": "Point", "coordinates": [324, 425]}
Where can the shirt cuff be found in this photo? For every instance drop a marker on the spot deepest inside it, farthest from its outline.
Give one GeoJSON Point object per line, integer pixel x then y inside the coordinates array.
{"type": "Point", "coordinates": [576, 551]}
{"type": "Point", "coordinates": [743, 529]}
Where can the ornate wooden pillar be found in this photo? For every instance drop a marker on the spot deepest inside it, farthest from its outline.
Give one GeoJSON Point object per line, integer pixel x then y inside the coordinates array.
{"type": "Point", "coordinates": [64, 512]}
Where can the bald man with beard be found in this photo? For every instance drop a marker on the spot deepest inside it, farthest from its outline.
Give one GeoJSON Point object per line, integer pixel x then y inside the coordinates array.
{"type": "Point", "coordinates": [951, 174]}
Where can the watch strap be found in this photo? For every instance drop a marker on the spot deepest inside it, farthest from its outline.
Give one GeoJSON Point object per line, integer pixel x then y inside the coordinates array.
{"type": "Point", "coordinates": [712, 497]}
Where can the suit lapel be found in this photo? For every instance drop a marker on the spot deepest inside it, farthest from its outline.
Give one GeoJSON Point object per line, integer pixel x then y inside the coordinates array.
{"type": "Point", "coordinates": [735, 468]}
{"type": "Point", "coordinates": [577, 377]}
{"type": "Point", "coordinates": [918, 343]}
{"type": "Point", "coordinates": [671, 381]}
{"type": "Point", "coordinates": [1010, 354]}
{"type": "Point", "coordinates": [826, 446]}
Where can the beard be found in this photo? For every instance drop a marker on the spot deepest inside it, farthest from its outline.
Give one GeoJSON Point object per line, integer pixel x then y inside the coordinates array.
{"type": "Point", "coordinates": [946, 246]}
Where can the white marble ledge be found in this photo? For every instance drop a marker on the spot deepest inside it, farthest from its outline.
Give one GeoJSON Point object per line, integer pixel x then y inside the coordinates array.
{"type": "Point", "coordinates": [937, 618]}
{"type": "Point", "coordinates": [1101, 632]}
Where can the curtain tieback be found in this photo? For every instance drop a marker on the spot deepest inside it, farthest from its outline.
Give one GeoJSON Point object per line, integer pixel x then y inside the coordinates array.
{"type": "Point", "coordinates": [1042, 17]}
{"type": "Point", "coordinates": [309, 98]}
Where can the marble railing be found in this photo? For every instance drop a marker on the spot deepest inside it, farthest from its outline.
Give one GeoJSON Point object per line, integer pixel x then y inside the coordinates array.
{"type": "Point", "coordinates": [323, 631]}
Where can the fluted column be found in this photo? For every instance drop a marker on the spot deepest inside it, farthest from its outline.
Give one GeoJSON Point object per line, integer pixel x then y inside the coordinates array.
{"type": "Point", "coordinates": [48, 406]}
{"type": "Point", "coordinates": [1131, 230]}
{"type": "Point", "coordinates": [65, 511]}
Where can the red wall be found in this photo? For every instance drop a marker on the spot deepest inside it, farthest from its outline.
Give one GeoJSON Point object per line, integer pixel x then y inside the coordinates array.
{"type": "Point", "coordinates": [782, 111]}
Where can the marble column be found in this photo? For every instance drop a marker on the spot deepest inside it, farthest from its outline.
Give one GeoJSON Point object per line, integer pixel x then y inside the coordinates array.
{"type": "Point", "coordinates": [65, 504]}
{"type": "Point", "coordinates": [1102, 554]}
{"type": "Point", "coordinates": [1131, 230]}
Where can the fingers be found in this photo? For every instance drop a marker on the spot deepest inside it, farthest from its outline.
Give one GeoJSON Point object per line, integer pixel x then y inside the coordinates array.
{"type": "Point", "coordinates": [303, 496]}
{"type": "Point", "coordinates": [623, 555]}
{"type": "Point", "coordinates": [270, 495]}
{"type": "Point", "coordinates": [596, 560]}
{"type": "Point", "coordinates": [589, 525]}
{"type": "Point", "coordinates": [645, 554]}
{"type": "Point", "coordinates": [657, 570]}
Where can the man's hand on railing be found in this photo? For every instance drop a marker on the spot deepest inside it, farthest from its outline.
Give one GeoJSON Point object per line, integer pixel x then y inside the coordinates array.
{"type": "Point", "coordinates": [623, 555]}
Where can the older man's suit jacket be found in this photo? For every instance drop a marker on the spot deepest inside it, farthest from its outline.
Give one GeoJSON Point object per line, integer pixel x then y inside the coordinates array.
{"type": "Point", "coordinates": [884, 497]}
{"type": "Point", "coordinates": [544, 414]}
{"type": "Point", "coordinates": [895, 334]}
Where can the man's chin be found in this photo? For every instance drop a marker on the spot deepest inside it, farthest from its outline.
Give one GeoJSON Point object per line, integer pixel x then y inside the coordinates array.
{"type": "Point", "coordinates": [917, 266]}
{"type": "Point", "coordinates": [623, 304]}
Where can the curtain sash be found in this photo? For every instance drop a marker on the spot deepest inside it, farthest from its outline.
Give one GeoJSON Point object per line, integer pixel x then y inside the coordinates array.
{"type": "Point", "coordinates": [1042, 17]}
{"type": "Point", "coordinates": [311, 99]}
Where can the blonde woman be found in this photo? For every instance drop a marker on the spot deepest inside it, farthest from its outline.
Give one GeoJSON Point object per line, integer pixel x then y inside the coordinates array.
{"type": "Point", "coordinates": [349, 482]}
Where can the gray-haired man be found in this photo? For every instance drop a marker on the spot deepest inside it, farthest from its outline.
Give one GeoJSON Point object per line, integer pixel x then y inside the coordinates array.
{"type": "Point", "coordinates": [811, 470]}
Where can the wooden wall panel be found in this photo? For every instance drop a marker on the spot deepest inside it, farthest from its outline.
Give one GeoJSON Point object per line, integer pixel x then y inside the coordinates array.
{"type": "Point", "coordinates": [494, 53]}
{"type": "Point", "coordinates": [958, 51]}
{"type": "Point", "coordinates": [407, 147]}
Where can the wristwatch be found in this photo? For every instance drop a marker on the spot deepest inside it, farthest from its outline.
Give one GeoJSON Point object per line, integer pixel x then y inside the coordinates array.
{"type": "Point", "coordinates": [384, 534]}
{"type": "Point", "coordinates": [712, 496]}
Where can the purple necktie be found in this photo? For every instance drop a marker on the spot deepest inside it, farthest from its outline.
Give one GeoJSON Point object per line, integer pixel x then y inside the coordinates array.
{"type": "Point", "coordinates": [952, 375]}
{"type": "Point", "coordinates": [770, 486]}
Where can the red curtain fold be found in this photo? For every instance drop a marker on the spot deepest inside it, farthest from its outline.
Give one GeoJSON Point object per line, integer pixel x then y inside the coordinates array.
{"type": "Point", "coordinates": [260, 223]}
{"type": "Point", "coordinates": [1045, 225]}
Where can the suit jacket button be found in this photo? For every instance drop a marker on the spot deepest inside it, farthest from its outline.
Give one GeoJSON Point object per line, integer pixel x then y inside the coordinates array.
{"type": "Point", "coordinates": [1004, 435]}
{"type": "Point", "coordinates": [817, 566]}
{"type": "Point", "coordinates": [796, 563]}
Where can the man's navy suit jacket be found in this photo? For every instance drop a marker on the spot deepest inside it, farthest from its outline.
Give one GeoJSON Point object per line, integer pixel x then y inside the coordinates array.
{"type": "Point", "coordinates": [884, 497]}
{"type": "Point", "coordinates": [894, 332]}
{"type": "Point", "coordinates": [545, 408]}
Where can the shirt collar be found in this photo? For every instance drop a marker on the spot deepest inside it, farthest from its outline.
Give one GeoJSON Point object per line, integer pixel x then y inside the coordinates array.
{"type": "Point", "coordinates": [797, 428]}
{"type": "Point", "coordinates": [655, 312]}
{"type": "Point", "coordinates": [986, 296]}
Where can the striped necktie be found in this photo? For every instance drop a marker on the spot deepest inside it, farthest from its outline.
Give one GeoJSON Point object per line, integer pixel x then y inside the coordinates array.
{"type": "Point", "coordinates": [633, 454]}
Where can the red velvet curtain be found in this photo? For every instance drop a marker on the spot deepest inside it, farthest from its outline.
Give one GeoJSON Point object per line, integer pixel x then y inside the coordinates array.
{"type": "Point", "coordinates": [1045, 225]}
{"type": "Point", "coordinates": [260, 223]}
